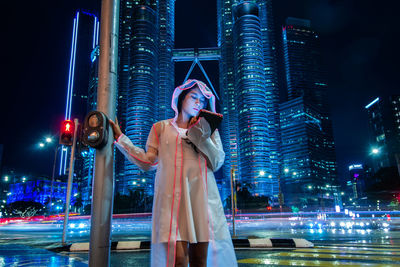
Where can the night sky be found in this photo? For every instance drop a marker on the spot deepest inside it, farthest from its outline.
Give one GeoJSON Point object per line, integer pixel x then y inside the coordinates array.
{"type": "Point", "coordinates": [359, 46]}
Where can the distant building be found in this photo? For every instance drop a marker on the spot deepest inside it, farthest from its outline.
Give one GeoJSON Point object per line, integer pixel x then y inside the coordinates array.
{"type": "Point", "coordinates": [356, 180]}
{"type": "Point", "coordinates": [40, 191]}
{"type": "Point", "coordinates": [306, 180]}
{"type": "Point", "coordinates": [384, 132]}
{"type": "Point", "coordinates": [81, 95]}
{"type": "Point", "coordinates": [308, 150]}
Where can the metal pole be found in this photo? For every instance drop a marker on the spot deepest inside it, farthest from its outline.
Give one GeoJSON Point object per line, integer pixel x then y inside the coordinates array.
{"type": "Point", "coordinates": [103, 184]}
{"type": "Point", "coordinates": [280, 195]}
{"type": "Point", "coordinates": [70, 178]}
{"type": "Point", "coordinates": [233, 198]}
{"type": "Point", "coordinates": [52, 177]}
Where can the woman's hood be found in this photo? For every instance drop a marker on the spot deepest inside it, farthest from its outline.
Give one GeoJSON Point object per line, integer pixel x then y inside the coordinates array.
{"type": "Point", "coordinates": [188, 85]}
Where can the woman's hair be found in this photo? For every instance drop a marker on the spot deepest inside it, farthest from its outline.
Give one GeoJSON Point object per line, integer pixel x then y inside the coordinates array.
{"type": "Point", "coordinates": [182, 97]}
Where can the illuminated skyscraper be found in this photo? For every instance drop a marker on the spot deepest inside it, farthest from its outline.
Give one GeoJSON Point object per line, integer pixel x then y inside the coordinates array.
{"type": "Point", "coordinates": [250, 97]}
{"type": "Point", "coordinates": [146, 76]}
{"type": "Point", "coordinates": [85, 36]}
{"type": "Point", "coordinates": [81, 93]}
{"type": "Point", "coordinates": [384, 131]}
{"type": "Point", "coordinates": [306, 180]}
{"type": "Point", "coordinates": [308, 150]}
{"type": "Point", "coordinates": [139, 86]}
{"type": "Point", "coordinates": [250, 101]}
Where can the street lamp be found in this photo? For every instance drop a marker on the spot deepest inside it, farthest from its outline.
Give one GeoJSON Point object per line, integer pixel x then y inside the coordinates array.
{"type": "Point", "coordinates": [375, 151]}
{"type": "Point", "coordinates": [49, 141]}
{"type": "Point", "coordinates": [262, 173]}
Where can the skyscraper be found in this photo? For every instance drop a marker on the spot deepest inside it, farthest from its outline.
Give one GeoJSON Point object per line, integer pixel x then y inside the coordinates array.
{"type": "Point", "coordinates": [81, 93]}
{"type": "Point", "coordinates": [384, 131]}
{"type": "Point", "coordinates": [308, 151]}
{"type": "Point", "coordinates": [306, 181]}
{"type": "Point", "coordinates": [139, 89]}
{"type": "Point", "coordinates": [250, 97]}
{"type": "Point", "coordinates": [250, 104]}
{"type": "Point", "coordinates": [146, 76]}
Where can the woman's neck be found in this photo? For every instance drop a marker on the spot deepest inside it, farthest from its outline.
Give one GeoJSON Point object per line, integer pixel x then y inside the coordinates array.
{"type": "Point", "coordinates": [183, 120]}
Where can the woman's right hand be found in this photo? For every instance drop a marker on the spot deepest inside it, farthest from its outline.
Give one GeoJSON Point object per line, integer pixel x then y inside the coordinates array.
{"type": "Point", "coordinates": [116, 129]}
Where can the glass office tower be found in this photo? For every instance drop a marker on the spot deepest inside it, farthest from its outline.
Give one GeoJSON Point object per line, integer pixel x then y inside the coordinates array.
{"type": "Point", "coordinates": [384, 132]}
{"type": "Point", "coordinates": [245, 34]}
{"type": "Point", "coordinates": [146, 77]}
{"type": "Point", "coordinates": [306, 86]}
{"type": "Point", "coordinates": [305, 180]}
{"type": "Point", "coordinates": [251, 98]}
{"type": "Point", "coordinates": [139, 88]}
{"type": "Point", "coordinates": [81, 96]}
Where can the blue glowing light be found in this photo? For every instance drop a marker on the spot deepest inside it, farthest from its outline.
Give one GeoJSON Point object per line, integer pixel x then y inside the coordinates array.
{"type": "Point", "coordinates": [61, 160]}
{"type": "Point", "coordinates": [97, 33]}
{"type": "Point", "coordinates": [373, 102]}
{"type": "Point", "coordinates": [73, 66]}
{"type": "Point", "coordinates": [70, 69]}
{"type": "Point", "coordinates": [355, 166]}
{"type": "Point", "coordinates": [94, 32]}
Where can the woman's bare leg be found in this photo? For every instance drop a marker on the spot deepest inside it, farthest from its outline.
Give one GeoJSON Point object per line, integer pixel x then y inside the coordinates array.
{"type": "Point", "coordinates": [198, 254]}
{"type": "Point", "coordinates": [181, 259]}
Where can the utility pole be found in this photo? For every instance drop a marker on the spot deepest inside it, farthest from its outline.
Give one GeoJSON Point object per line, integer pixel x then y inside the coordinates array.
{"type": "Point", "coordinates": [103, 184]}
{"type": "Point", "coordinates": [70, 178]}
{"type": "Point", "coordinates": [280, 194]}
{"type": "Point", "coordinates": [52, 177]}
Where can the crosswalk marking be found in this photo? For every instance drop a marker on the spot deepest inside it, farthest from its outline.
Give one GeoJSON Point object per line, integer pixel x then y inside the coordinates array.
{"type": "Point", "coordinates": [332, 255]}
{"type": "Point", "coordinates": [364, 245]}
{"type": "Point", "coordinates": [295, 262]}
{"type": "Point", "coordinates": [389, 248]}
{"type": "Point", "coordinates": [354, 251]}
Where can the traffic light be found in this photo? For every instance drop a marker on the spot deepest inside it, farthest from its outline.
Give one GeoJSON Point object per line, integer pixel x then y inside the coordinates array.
{"type": "Point", "coordinates": [95, 129]}
{"type": "Point", "coordinates": [67, 133]}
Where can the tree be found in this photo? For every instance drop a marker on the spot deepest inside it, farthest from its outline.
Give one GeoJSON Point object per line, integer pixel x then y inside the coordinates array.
{"type": "Point", "coordinates": [25, 208]}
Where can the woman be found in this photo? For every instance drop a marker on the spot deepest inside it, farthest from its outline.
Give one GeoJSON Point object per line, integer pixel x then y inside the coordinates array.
{"type": "Point", "coordinates": [188, 220]}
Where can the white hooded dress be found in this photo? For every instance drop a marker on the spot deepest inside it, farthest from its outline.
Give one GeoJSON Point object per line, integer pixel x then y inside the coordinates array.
{"type": "Point", "coordinates": [187, 205]}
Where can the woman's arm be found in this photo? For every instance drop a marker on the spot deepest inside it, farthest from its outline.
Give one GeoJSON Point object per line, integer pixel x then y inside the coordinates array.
{"type": "Point", "coordinates": [145, 160]}
{"type": "Point", "coordinates": [210, 146]}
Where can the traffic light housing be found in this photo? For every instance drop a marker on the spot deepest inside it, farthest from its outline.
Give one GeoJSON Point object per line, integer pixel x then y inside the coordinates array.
{"type": "Point", "coordinates": [95, 129]}
{"type": "Point", "coordinates": [67, 133]}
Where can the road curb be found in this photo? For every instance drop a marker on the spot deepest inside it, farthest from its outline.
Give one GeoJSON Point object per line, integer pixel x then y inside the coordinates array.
{"type": "Point", "coordinates": [237, 243]}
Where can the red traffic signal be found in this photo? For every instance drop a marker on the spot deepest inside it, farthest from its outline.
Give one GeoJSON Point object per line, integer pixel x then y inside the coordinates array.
{"type": "Point", "coordinates": [67, 133]}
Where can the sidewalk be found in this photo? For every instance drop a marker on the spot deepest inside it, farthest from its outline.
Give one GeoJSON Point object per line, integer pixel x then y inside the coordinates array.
{"type": "Point", "coordinates": [22, 255]}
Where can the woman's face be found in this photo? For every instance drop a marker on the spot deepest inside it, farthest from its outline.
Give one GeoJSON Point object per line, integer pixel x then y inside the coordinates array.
{"type": "Point", "coordinates": [193, 102]}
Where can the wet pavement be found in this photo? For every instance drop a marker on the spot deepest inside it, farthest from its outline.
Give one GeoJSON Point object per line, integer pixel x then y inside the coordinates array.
{"type": "Point", "coordinates": [379, 252]}
{"type": "Point", "coordinates": [22, 255]}
{"type": "Point", "coordinates": [347, 245]}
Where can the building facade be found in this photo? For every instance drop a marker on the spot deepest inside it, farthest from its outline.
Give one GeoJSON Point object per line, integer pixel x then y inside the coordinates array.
{"type": "Point", "coordinates": [81, 96]}
{"type": "Point", "coordinates": [384, 132]}
{"type": "Point", "coordinates": [306, 181]}
{"type": "Point", "coordinates": [40, 191]}
{"type": "Point", "coordinates": [308, 148]}
{"type": "Point", "coordinates": [250, 97]}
